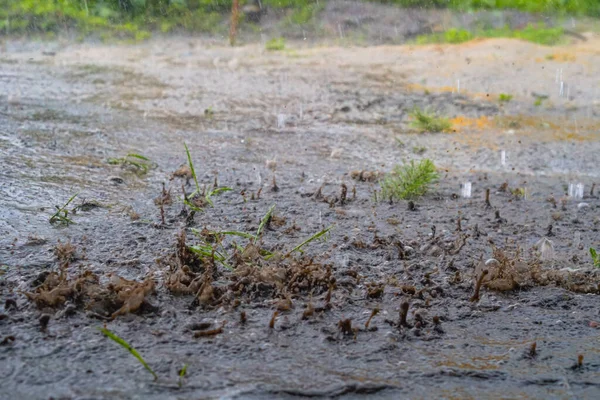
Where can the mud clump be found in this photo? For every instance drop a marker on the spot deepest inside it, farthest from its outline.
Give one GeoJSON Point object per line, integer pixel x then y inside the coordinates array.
{"type": "Point", "coordinates": [118, 297]}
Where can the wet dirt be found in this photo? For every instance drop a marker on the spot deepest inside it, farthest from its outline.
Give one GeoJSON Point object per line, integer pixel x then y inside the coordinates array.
{"type": "Point", "coordinates": [308, 117]}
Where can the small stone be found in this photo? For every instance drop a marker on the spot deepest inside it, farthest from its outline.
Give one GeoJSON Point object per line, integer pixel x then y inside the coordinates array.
{"type": "Point", "coordinates": [44, 320]}
{"type": "Point", "coordinates": [116, 180]}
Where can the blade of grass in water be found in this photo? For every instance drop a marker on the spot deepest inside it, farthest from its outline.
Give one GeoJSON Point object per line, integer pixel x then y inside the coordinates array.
{"type": "Point", "coordinates": [236, 233]}
{"type": "Point", "coordinates": [129, 348]}
{"type": "Point", "coordinates": [208, 251]}
{"type": "Point", "coordinates": [263, 222]}
{"type": "Point", "coordinates": [63, 218]}
{"type": "Point", "coordinates": [135, 155]}
{"type": "Point", "coordinates": [214, 193]}
{"type": "Point", "coordinates": [310, 239]}
{"type": "Point", "coordinates": [191, 164]}
{"type": "Point", "coordinates": [182, 373]}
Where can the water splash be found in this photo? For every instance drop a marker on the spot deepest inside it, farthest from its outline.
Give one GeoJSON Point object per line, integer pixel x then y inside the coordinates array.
{"type": "Point", "coordinates": [546, 248]}
{"type": "Point", "coordinates": [341, 31]}
{"type": "Point", "coordinates": [466, 190]}
{"type": "Point", "coordinates": [577, 239]}
{"type": "Point", "coordinates": [576, 190]}
{"type": "Point", "coordinates": [281, 121]}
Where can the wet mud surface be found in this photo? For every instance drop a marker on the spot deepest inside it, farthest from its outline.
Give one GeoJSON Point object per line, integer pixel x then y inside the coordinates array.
{"type": "Point", "coordinates": [291, 129]}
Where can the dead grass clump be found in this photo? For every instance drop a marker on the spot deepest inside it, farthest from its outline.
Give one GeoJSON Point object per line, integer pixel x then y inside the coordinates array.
{"type": "Point", "coordinates": [509, 270]}
{"type": "Point", "coordinates": [365, 176]}
{"type": "Point", "coordinates": [279, 280]}
{"type": "Point", "coordinates": [164, 198]}
{"type": "Point", "coordinates": [65, 252]}
{"type": "Point", "coordinates": [120, 296]}
{"type": "Point", "coordinates": [578, 281]}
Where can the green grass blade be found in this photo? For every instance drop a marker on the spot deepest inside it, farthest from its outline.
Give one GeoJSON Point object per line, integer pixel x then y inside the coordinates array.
{"type": "Point", "coordinates": [263, 222]}
{"type": "Point", "coordinates": [310, 239]}
{"type": "Point", "coordinates": [129, 348]}
{"type": "Point", "coordinates": [595, 258]}
{"type": "Point", "coordinates": [207, 251]}
{"type": "Point", "coordinates": [138, 156]}
{"type": "Point", "coordinates": [182, 374]}
{"type": "Point", "coordinates": [219, 191]}
{"type": "Point", "coordinates": [191, 164]}
{"type": "Point", "coordinates": [192, 206]}
{"type": "Point", "coordinates": [236, 233]}
{"type": "Point", "coordinates": [215, 193]}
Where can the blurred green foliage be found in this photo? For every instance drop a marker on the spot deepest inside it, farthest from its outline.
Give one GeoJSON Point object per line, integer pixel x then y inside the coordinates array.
{"type": "Point", "coordinates": [572, 7]}
{"type": "Point", "coordinates": [536, 34]}
{"type": "Point", "coordinates": [136, 18]}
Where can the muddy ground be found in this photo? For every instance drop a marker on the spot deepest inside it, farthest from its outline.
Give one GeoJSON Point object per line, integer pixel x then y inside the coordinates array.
{"type": "Point", "coordinates": [307, 117]}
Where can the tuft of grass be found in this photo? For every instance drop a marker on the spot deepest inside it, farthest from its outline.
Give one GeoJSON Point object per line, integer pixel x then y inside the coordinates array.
{"type": "Point", "coordinates": [275, 44]}
{"type": "Point", "coordinates": [595, 257]}
{"type": "Point", "coordinates": [538, 102]}
{"type": "Point", "coordinates": [419, 150]}
{"type": "Point", "coordinates": [137, 162]}
{"type": "Point", "coordinates": [425, 121]}
{"type": "Point", "coordinates": [62, 214]}
{"type": "Point", "coordinates": [129, 348]}
{"type": "Point", "coordinates": [207, 251]}
{"type": "Point", "coordinates": [505, 98]}
{"type": "Point", "coordinates": [410, 180]}
{"type": "Point", "coordinates": [208, 196]}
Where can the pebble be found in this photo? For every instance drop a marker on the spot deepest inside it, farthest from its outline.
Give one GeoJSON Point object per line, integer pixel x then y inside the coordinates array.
{"type": "Point", "coordinates": [116, 180]}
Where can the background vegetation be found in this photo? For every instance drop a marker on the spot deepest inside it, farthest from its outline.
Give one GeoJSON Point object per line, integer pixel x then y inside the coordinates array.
{"type": "Point", "coordinates": [136, 18]}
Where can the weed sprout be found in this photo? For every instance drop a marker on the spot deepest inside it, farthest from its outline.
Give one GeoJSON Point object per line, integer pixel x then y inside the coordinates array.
{"type": "Point", "coordinates": [410, 180]}
{"type": "Point", "coordinates": [424, 121]}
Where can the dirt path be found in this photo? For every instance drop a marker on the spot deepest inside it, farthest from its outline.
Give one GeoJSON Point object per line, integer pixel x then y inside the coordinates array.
{"type": "Point", "coordinates": [306, 117]}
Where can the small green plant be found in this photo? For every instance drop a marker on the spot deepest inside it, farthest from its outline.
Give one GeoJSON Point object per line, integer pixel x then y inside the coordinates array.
{"type": "Point", "coordinates": [505, 98]}
{"type": "Point", "coordinates": [129, 348]}
{"type": "Point", "coordinates": [425, 121]}
{"type": "Point", "coordinates": [62, 214]}
{"type": "Point", "coordinates": [410, 180]}
{"type": "Point", "coordinates": [275, 44]}
{"type": "Point", "coordinates": [419, 150]}
{"type": "Point", "coordinates": [212, 245]}
{"type": "Point", "coordinates": [538, 102]}
{"type": "Point", "coordinates": [182, 373]}
{"type": "Point", "coordinates": [595, 257]}
{"type": "Point", "coordinates": [519, 193]}
{"type": "Point", "coordinates": [137, 162]}
{"type": "Point", "coordinates": [189, 199]}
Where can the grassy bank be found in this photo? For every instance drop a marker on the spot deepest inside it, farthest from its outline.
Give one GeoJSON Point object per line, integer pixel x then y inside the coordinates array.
{"type": "Point", "coordinates": [541, 35]}
{"type": "Point", "coordinates": [555, 7]}
{"type": "Point", "coordinates": [135, 19]}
